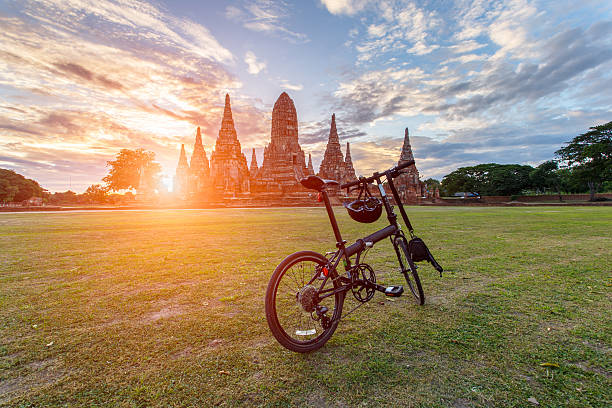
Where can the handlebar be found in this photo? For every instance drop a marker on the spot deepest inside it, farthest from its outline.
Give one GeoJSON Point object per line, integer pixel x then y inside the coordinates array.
{"type": "Point", "coordinates": [392, 172]}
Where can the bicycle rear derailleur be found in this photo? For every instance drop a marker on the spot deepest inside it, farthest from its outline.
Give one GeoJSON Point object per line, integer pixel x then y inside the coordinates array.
{"type": "Point", "coordinates": [307, 297]}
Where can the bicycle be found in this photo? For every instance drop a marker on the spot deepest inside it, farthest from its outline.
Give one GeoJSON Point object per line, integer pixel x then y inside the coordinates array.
{"type": "Point", "coordinates": [306, 294]}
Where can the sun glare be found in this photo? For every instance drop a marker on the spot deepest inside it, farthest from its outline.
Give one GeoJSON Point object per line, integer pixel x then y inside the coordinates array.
{"type": "Point", "coordinates": [167, 182]}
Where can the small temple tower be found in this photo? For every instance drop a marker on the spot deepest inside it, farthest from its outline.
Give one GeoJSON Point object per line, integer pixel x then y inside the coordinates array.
{"type": "Point", "coordinates": [253, 170]}
{"type": "Point", "coordinates": [284, 163]}
{"type": "Point", "coordinates": [310, 168]}
{"type": "Point", "coordinates": [333, 166]}
{"type": "Point", "coordinates": [182, 176]}
{"type": "Point", "coordinates": [348, 165]}
{"type": "Point", "coordinates": [200, 171]}
{"type": "Point", "coordinates": [408, 184]}
{"type": "Point", "coordinates": [229, 172]}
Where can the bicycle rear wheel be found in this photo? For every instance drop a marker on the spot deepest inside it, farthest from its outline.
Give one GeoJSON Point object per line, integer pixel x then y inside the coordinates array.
{"type": "Point", "coordinates": [293, 307]}
{"type": "Point", "coordinates": [408, 269]}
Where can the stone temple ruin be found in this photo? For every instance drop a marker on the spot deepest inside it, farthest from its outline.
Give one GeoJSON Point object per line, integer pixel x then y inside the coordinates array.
{"type": "Point", "coordinates": [276, 181]}
{"type": "Point", "coordinates": [334, 165]}
{"type": "Point", "coordinates": [284, 162]}
{"type": "Point", "coordinates": [228, 166]}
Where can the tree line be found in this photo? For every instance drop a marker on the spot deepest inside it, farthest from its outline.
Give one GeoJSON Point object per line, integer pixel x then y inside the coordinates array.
{"type": "Point", "coordinates": [583, 165]}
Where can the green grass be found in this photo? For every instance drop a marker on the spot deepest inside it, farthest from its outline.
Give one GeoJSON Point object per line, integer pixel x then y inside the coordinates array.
{"type": "Point", "coordinates": [165, 308]}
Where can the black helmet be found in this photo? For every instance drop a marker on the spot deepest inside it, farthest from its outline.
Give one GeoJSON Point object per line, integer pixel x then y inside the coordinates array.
{"type": "Point", "coordinates": [365, 210]}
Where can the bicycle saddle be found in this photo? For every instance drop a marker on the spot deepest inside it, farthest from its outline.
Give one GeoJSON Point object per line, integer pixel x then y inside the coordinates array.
{"type": "Point", "coordinates": [317, 183]}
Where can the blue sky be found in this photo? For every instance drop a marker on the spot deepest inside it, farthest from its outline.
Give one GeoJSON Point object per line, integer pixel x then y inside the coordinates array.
{"type": "Point", "coordinates": [474, 81]}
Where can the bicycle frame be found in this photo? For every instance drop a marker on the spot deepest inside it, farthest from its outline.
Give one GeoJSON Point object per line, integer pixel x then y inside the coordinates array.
{"type": "Point", "coordinates": [393, 229]}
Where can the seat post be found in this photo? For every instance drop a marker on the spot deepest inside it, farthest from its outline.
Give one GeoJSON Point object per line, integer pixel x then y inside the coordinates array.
{"type": "Point", "coordinates": [332, 219]}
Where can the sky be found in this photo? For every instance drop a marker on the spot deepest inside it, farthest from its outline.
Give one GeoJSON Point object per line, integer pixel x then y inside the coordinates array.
{"type": "Point", "coordinates": [474, 81]}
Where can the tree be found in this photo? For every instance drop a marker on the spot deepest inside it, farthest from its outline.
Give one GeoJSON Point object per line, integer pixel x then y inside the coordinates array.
{"type": "Point", "coordinates": [432, 184]}
{"type": "Point", "coordinates": [589, 155]}
{"type": "Point", "coordinates": [67, 197]}
{"type": "Point", "coordinates": [14, 187]}
{"type": "Point", "coordinates": [488, 179]}
{"type": "Point", "coordinates": [135, 169]}
{"type": "Point", "coordinates": [546, 176]}
{"type": "Point", "coordinates": [95, 193]}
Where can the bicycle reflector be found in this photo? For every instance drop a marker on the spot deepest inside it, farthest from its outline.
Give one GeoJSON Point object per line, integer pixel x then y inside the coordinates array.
{"type": "Point", "coordinates": [367, 210]}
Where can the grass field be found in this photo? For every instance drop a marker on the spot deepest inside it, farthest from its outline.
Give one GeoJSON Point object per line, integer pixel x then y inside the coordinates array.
{"type": "Point", "coordinates": [165, 308]}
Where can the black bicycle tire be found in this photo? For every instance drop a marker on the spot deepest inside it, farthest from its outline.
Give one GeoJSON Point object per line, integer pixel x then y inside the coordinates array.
{"type": "Point", "coordinates": [270, 305]}
{"type": "Point", "coordinates": [419, 295]}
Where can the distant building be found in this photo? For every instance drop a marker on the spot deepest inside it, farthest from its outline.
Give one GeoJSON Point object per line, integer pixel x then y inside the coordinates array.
{"type": "Point", "coordinates": [334, 166]}
{"type": "Point", "coordinates": [408, 184]}
{"type": "Point", "coordinates": [229, 172]}
{"type": "Point", "coordinates": [284, 163]}
{"type": "Point", "coordinates": [32, 202]}
{"type": "Point", "coordinates": [199, 168]}
{"type": "Point", "coordinates": [182, 185]}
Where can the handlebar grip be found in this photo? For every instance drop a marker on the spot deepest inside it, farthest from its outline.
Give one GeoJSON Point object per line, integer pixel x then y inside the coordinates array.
{"type": "Point", "coordinates": [351, 184]}
{"type": "Point", "coordinates": [391, 172]}
{"type": "Point", "coordinates": [404, 165]}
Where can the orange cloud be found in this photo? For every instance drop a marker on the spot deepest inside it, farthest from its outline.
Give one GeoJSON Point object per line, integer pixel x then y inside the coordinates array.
{"type": "Point", "coordinates": [88, 79]}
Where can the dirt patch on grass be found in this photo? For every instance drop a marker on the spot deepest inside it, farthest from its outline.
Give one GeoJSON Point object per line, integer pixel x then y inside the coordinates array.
{"type": "Point", "coordinates": [165, 313]}
{"type": "Point", "coordinates": [462, 403]}
{"type": "Point", "coordinates": [585, 366]}
{"type": "Point", "coordinates": [39, 374]}
{"type": "Point", "coordinates": [215, 343]}
{"type": "Point", "coordinates": [602, 348]}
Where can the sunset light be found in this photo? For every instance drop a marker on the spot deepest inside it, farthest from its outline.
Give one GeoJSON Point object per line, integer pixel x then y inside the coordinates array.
{"type": "Point", "coordinates": [507, 81]}
{"type": "Point", "coordinates": [305, 203]}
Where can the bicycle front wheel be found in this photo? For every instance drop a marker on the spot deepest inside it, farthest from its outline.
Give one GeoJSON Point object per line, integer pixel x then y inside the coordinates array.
{"type": "Point", "coordinates": [408, 269]}
{"type": "Point", "coordinates": [297, 316]}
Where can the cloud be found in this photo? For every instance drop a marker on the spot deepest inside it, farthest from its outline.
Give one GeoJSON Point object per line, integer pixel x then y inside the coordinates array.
{"type": "Point", "coordinates": [80, 71]}
{"type": "Point", "coordinates": [254, 66]}
{"type": "Point", "coordinates": [265, 16]}
{"type": "Point", "coordinates": [285, 84]}
{"type": "Point", "coordinates": [391, 27]}
{"type": "Point", "coordinates": [498, 88]}
{"type": "Point", "coordinates": [85, 80]}
{"type": "Point", "coordinates": [348, 7]}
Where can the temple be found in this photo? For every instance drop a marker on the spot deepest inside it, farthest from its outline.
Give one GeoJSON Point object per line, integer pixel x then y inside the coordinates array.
{"type": "Point", "coordinates": [409, 186]}
{"type": "Point", "coordinates": [226, 177]}
{"type": "Point", "coordinates": [334, 165]}
{"type": "Point", "coordinates": [310, 168]}
{"type": "Point", "coordinates": [284, 162]}
{"type": "Point", "coordinates": [229, 173]}
{"type": "Point", "coordinates": [183, 175]}
{"type": "Point", "coordinates": [199, 168]}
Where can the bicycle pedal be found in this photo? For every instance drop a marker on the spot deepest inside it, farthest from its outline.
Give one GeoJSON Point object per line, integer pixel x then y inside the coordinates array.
{"type": "Point", "coordinates": [394, 291]}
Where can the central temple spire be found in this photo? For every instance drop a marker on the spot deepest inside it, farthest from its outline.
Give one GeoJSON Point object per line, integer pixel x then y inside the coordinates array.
{"type": "Point", "coordinates": [227, 131]}
{"type": "Point", "coordinates": [333, 132]}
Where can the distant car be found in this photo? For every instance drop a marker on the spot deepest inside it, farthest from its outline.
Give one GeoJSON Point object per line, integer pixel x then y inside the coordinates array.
{"type": "Point", "coordinates": [463, 194]}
